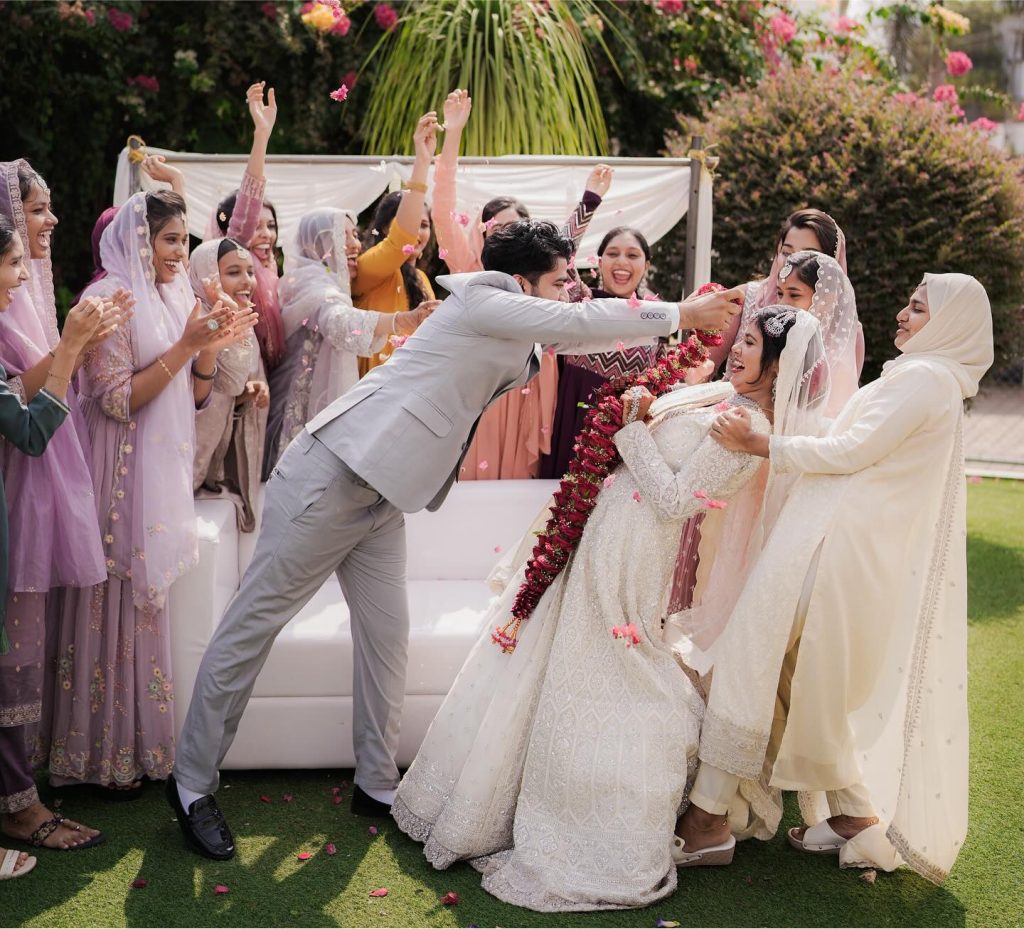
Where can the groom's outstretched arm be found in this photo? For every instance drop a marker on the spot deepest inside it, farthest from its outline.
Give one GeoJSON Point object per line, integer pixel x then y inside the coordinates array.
{"type": "Point", "coordinates": [591, 326]}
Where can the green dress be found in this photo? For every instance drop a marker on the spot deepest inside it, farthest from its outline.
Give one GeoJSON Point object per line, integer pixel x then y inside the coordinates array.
{"type": "Point", "coordinates": [28, 429]}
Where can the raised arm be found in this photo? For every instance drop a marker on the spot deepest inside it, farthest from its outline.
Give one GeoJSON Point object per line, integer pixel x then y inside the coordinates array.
{"type": "Point", "coordinates": [711, 471]}
{"type": "Point", "coordinates": [598, 182]}
{"type": "Point", "coordinates": [453, 239]}
{"type": "Point", "coordinates": [246, 215]}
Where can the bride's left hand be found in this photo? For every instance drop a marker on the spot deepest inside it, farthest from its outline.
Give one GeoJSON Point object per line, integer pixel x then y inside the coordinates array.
{"type": "Point", "coordinates": [646, 399]}
{"type": "Point", "coordinates": [733, 430]}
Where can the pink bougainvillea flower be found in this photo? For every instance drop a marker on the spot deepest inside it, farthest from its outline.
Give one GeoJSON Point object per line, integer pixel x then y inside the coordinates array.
{"type": "Point", "coordinates": [304, 856]}
{"type": "Point", "coordinates": [373, 830]}
{"type": "Point", "coordinates": [90, 17]}
{"type": "Point", "coordinates": [690, 64]}
{"type": "Point", "coordinates": [483, 466]}
{"type": "Point", "coordinates": [120, 20]}
{"type": "Point", "coordinates": [636, 495]}
{"type": "Point", "coordinates": [958, 63]}
{"type": "Point", "coordinates": [385, 16]}
{"type": "Point", "coordinates": [945, 93]}
{"type": "Point", "coordinates": [340, 94]}
{"type": "Point", "coordinates": [450, 898]}
{"type": "Point", "coordinates": [330, 849]}
{"type": "Point", "coordinates": [783, 27]}
{"type": "Point", "coordinates": [908, 98]}
{"type": "Point", "coordinates": [269, 10]}
{"type": "Point", "coordinates": [265, 799]}
{"type": "Point", "coordinates": [609, 480]}
{"type": "Point", "coordinates": [670, 7]}
{"type": "Point", "coordinates": [221, 889]}
{"type": "Point", "coordinates": [958, 111]}
{"type": "Point", "coordinates": [408, 249]}
{"type": "Point", "coordinates": [139, 883]}
{"type": "Point", "coordinates": [442, 253]}
{"type": "Point", "coordinates": [984, 124]}
{"type": "Point", "coordinates": [633, 302]}
{"type": "Point", "coordinates": [845, 24]}
{"type": "Point", "coordinates": [379, 892]}
{"type": "Point", "coordinates": [341, 26]}
{"type": "Point", "coordinates": [145, 82]}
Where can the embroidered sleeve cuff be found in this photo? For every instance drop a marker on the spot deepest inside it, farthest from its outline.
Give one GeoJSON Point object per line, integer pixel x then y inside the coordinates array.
{"type": "Point", "coordinates": [45, 393]}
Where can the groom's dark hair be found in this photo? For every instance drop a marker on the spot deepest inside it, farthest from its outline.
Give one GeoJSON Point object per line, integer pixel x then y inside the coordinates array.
{"type": "Point", "coordinates": [529, 248]}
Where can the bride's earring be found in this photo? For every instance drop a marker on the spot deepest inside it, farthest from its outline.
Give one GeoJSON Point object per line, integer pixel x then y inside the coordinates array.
{"type": "Point", "coordinates": [774, 385]}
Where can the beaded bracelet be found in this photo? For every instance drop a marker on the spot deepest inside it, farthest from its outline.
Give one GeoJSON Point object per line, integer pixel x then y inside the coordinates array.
{"type": "Point", "coordinates": [167, 370]}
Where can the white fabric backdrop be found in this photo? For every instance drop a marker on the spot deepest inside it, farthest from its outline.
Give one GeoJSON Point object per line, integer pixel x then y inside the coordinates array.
{"type": "Point", "coordinates": [649, 193]}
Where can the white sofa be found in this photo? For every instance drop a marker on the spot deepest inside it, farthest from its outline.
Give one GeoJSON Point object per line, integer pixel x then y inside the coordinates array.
{"type": "Point", "coordinates": [300, 714]}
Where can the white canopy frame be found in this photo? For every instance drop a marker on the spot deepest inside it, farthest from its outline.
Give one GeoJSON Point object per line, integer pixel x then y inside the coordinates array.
{"type": "Point", "coordinates": [652, 194]}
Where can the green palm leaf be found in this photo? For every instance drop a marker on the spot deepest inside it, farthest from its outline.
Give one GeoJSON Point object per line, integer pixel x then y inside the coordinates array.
{"type": "Point", "coordinates": [527, 66]}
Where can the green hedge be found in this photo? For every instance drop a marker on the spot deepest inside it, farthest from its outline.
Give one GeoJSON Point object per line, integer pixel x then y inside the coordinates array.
{"type": "Point", "coordinates": [913, 191]}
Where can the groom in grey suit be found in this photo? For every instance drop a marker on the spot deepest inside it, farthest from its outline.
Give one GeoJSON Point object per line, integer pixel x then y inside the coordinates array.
{"type": "Point", "coordinates": [392, 445]}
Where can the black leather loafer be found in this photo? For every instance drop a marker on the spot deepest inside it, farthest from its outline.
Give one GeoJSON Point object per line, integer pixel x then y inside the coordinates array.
{"type": "Point", "coordinates": [202, 824]}
{"type": "Point", "coordinates": [364, 805]}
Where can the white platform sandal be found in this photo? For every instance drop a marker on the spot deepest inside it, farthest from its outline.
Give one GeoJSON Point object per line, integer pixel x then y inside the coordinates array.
{"type": "Point", "coordinates": [706, 857]}
{"type": "Point", "coordinates": [820, 839]}
{"type": "Point", "coordinates": [10, 862]}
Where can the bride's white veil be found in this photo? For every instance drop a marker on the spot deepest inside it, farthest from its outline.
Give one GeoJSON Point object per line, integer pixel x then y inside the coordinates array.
{"type": "Point", "coordinates": [801, 396]}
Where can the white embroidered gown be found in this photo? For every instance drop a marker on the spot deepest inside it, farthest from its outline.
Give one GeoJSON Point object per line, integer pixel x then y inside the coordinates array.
{"type": "Point", "coordinates": [559, 770]}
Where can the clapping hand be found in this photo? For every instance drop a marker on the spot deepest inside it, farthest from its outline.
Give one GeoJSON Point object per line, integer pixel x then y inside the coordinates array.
{"type": "Point", "coordinates": [264, 115]}
{"type": "Point", "coordinates": [219, 328]}
{"type": "Point", "coordinates": [81, 323]}
{"type": "Point", "coordinates": [600, 179]}
{"type": "Point", "coordinates": [117, 310]}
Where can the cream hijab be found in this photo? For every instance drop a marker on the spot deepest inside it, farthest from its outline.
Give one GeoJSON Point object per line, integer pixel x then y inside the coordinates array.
{"type": "Point", "coordinates": [959, 333]}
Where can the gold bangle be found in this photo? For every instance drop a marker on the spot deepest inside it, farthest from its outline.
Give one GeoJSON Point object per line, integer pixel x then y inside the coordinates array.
{"type": "Point", "coordinates": [167, 370]}
{"type": "Point", "coordinates": [418, 186]}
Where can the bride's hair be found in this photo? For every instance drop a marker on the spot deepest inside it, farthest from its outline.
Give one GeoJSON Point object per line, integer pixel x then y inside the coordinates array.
{"type": "Point", "coordinates": [774, 323]}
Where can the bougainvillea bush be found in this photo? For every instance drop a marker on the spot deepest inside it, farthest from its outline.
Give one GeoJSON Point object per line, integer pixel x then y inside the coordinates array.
{"type": "Point", "coordinates": [914, 188]}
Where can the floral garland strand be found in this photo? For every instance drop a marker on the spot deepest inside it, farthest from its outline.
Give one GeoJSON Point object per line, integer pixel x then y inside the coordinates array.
{"type": "Point", "coordinates": [595, 458]}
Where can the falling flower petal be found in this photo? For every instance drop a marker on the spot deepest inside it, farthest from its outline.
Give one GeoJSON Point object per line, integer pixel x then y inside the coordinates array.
{"type": "Point", "coordinates": [397, 341]}
{"type": "Point", "coordinates": [525, 391]}
{"type": "Point", "coordinates": [357, 332]}
{"type": "Point", "coordinates": [373, 830]}
{"type": "Point", "coordinates": [716, 504]}
{"type": "Point", "coordinates": [722, 407]}
{"type": "Point", "coordinates": [221, 889]}
{"type": "Point", "coordinates": [483, 466]}
{"type": "Point", "coordinates": [336, 799]}
{"type": "Point", "coordinates": [544, 430]}
{"type": "Point", "coordinates": [591, 259]}
{"type": "Point", "coordinates": [700, 494]}
{"type": "Point", "coordinates": [379, 892]}
{"type": "Point", "coordinates": [335, 790]}
{"type": "Point", "coordinates": [341, 94]}
{"type": "Point", "coordinates": [620, 346]}
{"type": "Point", "coordinates": [609, 480]}
{"type": "Point", "coordinates": [331, 849]}
{"type": "Point", "coordinates": [497, 549]}
{"type": "Point", "coordinates": [653, 298]}
{"type": "Point", "coordinates": [304, 856]}
{"type": "Point", "coordinates": [450, 898]}
{"type": "Point", "coordinates": [462, 219]}
{"type": "Point", "coordinates": [442, 253]}
{"type": "Point", "coordinates": [139, 883]}
{"type": "Point", "coordinates": [633, 302]}
{"type": "Point", "coordinates": [636, 495]}
{"type": "Point", "coordinates": [408, 249]}
{"type": "Point", "coordinates": [265, 799]}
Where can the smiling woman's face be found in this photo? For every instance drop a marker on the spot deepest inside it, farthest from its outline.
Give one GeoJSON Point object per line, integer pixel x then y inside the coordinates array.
{"type": "Point", "coordinates": [40, 220]}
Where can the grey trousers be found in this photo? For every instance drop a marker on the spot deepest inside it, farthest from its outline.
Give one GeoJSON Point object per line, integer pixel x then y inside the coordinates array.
{"type": "Point", "coordinates": [318, 517]}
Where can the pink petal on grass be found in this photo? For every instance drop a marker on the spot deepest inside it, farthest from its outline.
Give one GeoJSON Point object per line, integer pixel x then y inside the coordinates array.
{"type": "Point", "coordinates": [379, 892]}
{"type": "Point", "coordinates": [221, 889]}
{"type": "Point", "coordinates": [265, 799]}
{"type": "Point", "coordinates": [450, 898]}
{"type": "Point", "coordinates": [330, 849]}
{"type": "Point", "coordinates": [336, 799]}
{"type": "Point", "coordinates": [287, 798]}
{"type": "Point", "coordinates": [304, 856]}
{"type": "Point", "coordinates": [373, 830]}
{"type": "Point", "coordinates": [139, 883]}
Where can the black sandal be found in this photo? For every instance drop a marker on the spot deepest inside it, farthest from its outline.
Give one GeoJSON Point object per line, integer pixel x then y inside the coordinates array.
{"type": "Point", "coordinates": [45, 830]}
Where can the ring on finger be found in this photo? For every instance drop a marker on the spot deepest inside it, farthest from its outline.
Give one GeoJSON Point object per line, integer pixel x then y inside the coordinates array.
{"type": "Point", "coordinates": [212, 325]}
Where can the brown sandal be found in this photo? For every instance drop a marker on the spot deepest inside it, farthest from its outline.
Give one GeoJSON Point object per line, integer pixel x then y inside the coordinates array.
{"type": "Point", "coordinates": [48, 828]}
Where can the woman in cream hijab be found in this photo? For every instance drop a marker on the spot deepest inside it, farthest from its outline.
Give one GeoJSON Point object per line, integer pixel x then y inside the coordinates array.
{"type": "Point", "coordinates": [842, 672]}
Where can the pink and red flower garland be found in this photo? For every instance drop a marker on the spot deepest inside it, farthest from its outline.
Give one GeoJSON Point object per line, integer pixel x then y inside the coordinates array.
{"type": "Point", "coordinates": [595, 458]}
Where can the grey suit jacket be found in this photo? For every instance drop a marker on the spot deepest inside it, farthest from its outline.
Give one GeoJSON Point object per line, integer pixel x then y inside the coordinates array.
{"type": "Point", "coordinates": [405, 427]}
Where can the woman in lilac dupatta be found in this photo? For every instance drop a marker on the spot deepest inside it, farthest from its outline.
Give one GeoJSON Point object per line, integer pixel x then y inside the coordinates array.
{"type": "Point", "coordinates": [112, 719]}
{"type": "Point", "coordinates": [54, 534]}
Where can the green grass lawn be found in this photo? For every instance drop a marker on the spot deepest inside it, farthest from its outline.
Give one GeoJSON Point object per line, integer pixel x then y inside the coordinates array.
{"type": "Point", "coordinates": [768, 884]}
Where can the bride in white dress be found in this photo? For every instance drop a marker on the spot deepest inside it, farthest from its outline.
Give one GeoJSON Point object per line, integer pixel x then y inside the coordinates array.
{"type": "Point", "coordinates": [559, 770]}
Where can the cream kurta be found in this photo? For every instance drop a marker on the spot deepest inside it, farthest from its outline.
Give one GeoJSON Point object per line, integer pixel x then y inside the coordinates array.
{"type": "Point", "coordinates": [879, 684]}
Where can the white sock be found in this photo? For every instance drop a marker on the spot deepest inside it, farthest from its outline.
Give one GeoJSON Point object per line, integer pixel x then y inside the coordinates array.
{"type": "Point", "coordinates": [188, 797]}
{"type": "Point", "coordinates": [384, 796]}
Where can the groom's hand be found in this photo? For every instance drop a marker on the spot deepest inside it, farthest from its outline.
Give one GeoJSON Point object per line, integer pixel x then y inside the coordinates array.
{"type": "Point", "coordinates": [713, 312]}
